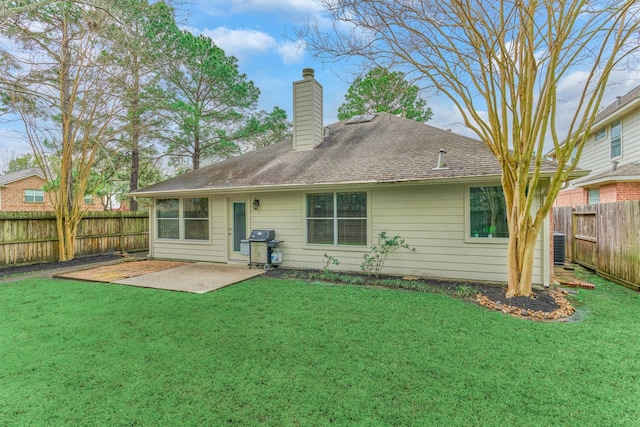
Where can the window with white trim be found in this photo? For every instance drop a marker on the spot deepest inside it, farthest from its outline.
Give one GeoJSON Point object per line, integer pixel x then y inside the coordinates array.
{"type": "Point", "coordinates": [600, 134]}
{"type": "Point", "coordinates": [34, 196]}
{"type": "Point", "coordinates": [196, 218]}
{"type": "Point", "coordinates": [168, 218]}
{"type": "Point", "coordinates": [88, 199]}
{"type": "Point", "coordinates": [594, 196]}
{"type": "Point", "coordinates": [574, 153]}
{"type": "Point", "coordinates": [487, 212]}
{"type": "Point", "coordinates": [616, 139]}
{"type": "Point", "coordinates": [182, 219]}
{"type": "Point", "coordinates": [337, 218]}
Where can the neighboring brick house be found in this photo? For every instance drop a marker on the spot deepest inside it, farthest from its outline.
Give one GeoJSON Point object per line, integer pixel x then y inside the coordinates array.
{"type": "Point", "coordinates": [22, 191]}
{"type": "Point", "coordinates": [612, 154]}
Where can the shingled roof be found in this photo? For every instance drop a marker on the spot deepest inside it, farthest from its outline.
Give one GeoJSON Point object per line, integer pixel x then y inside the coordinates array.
{"type": "Point", "coordinates": [621, 102]}
{"type": "Point", "coordinates": [17, 176]}
{"type": "Point", "coordinates": [386, 149]}
{"type": "Point", "coordinates": [628, 172]}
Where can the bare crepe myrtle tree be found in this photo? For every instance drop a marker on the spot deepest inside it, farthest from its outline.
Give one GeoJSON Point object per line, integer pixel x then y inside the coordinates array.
{"type": "Point", "coordinates": [60, 86]}
{"type": "Point", "coordinates": [504, 58]}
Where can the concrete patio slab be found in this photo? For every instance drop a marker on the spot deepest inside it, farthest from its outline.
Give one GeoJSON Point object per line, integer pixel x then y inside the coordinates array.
{"type": "Point", "coordinates": [199, 278]}
{"type": "Point", "coordinates": [119, 271]}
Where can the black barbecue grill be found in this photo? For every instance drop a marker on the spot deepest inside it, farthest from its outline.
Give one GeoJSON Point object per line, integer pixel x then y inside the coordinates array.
{"type": "Point", "coordinates": [267, 237]}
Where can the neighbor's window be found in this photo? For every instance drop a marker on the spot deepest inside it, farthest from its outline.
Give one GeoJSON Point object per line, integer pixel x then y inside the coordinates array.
{"type": "Point", "coordinates": [168, 218]}
{"type": "Point", "coordinates": [600, 134]}
{"type": "Point", "coordinates": [88, 199]}
{"type": "Point", "coordinates": [196, 218]}
{"type": "Point", "coordinates": [487, 212]}
{"type": "Point", "coordinates": [574, 153]}
{"type": "Point", "coordinates": [616, 139]}
{"type": "Point", "coordinates": [594, 196]}
{"type": "Point", "coordinates": [337, 218]}
{"type": "Point", "coordinates": [34, 196]}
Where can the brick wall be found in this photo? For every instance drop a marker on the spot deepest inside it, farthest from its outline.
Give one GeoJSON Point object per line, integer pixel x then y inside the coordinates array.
{"type": "Point", "coordinates": [609, 193]}
{"type": "Point", "coordinates": [614, 192]}
{"type": "Point", "coordinates": [12, 197]}
{"type": "Point", "coordinates": [575, 197]}
{"type": "Point", "coordinates": [628, 191]}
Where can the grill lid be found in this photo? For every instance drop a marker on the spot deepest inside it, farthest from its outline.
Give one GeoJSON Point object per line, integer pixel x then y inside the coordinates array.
{"type": "Point", "coordinates": [262, 235]}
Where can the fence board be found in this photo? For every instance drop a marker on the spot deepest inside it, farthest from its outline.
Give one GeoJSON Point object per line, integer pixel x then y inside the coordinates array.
{"type": "Point", "coordinates": [605, 237]}
{"type": "Point", "coordinates": [27, 237]}
{"type": "Point", "coordinates": [562, 223]}
{"type": "Point", "coordinates": [619, 232]}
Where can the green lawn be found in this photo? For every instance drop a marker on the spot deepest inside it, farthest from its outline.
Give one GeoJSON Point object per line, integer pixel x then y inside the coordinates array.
{"type": "Point", "coordinates": [281, 352]}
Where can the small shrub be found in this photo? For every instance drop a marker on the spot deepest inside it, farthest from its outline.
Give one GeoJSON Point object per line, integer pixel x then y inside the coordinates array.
{"type": "Point", "coordinates": [352, 280]}
{"type": "Point", "coordinates": [465, 291]}
{"type": "Point", "coordinates": [327, 261]}
{"type": "Point", "coordinates": [373, 262]}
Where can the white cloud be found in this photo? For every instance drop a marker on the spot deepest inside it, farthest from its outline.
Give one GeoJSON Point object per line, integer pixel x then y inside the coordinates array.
{"type": "Point", "coordinates": [241, 43]}
{"type": "Point", "coordinates": [447, 116]}
{"type": "Point", "coordinates": [291, 52]}
{"type": "Point", "coordinates": [286, 6]}
{"type": "Point", "coordinates": [244, 43]}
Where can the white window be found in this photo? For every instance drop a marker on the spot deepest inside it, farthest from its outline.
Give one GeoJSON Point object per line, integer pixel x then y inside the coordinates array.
{"type": "Point", "coordinates": [600, 134]}
{"type": "Point", "coordinates": [88, 199]}
{"type": "Point", "coordinates": [616, 139]}
{"type": "Point", "coordinates": [574, 152]}
{"type": "Point", "coordinates": [186, 219]}
{"type": "Point", "coordinates": [34, 196]}
{"type": "Point", "coordinates": [487, 212]}
{"type": "Point", "coordinates": [168, 218]}
{"type": "Point", "coordinates": [594, 196]}
{"type": "Point", "coordinates": [337, 218]}
{"type": "Point", "coordinates": [196, 218]}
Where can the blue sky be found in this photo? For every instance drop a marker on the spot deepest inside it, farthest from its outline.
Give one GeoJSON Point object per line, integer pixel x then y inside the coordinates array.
{"type": "Point", "coordinates": [261, 35]}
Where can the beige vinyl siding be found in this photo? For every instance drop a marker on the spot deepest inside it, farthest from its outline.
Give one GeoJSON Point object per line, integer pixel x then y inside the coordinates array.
{"type": "Point", "coordinates": [307, 125]}
{"type": "Point", "coordinates": [596, 155]}
{"type": "Point", "coordinates": [431, 218]}
{"type": "Point", "coordinates": [213, 250]}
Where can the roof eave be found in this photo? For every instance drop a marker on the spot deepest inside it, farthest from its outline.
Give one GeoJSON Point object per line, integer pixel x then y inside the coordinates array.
{"type": "Point", "coordinates": [608, 179]}
{"type": "Point", "coordinates": [295, 187]}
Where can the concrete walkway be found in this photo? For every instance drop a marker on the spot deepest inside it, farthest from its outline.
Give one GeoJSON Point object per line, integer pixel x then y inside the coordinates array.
{"type": "Point", "coordinates": [200, 277]}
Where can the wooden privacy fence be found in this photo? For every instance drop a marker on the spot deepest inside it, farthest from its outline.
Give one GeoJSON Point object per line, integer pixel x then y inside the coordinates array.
{"type": "Point", "coordinates": [604, 238]}
{"type": "Point", "coordinates": [27, 237]}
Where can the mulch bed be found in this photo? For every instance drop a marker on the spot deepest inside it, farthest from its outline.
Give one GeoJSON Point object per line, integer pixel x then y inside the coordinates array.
{"type": "Point", "coordinates": [542, 305]}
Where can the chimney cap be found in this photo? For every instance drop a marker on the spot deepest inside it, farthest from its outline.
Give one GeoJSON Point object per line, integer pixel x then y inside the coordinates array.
{"type": "Point", "coordinates": [307, 73]}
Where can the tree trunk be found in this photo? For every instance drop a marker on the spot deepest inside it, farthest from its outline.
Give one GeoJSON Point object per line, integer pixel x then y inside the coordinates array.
{"type": "Point", "coordinates": [134, 117]}
{"type": "Point", "coordinates": [520, 265]}
{"type": "Point", "coordinates": [64, 203]}
{"type": "Point", "coordinates": [522, 241]}
{"type": "Point", "coordinates": [196, 153]}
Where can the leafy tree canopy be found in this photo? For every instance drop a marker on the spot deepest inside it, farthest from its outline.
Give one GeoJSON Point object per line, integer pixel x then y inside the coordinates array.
{"type": "Point", "coordinates": [386, 91]}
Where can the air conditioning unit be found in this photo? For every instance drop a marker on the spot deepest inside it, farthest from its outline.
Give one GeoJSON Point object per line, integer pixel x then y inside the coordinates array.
{"type": "Point", "coordinates": [559, 248]}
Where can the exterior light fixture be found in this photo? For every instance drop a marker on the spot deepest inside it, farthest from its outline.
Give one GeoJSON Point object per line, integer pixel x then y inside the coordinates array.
{"type": "Point", "coordinates": [256, 204]}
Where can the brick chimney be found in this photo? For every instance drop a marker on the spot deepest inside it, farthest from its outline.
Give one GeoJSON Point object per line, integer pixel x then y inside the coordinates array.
{"type": "Point", "coordinates": [307, 112]}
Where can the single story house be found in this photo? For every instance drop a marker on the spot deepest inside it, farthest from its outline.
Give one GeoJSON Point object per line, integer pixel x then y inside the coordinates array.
{"type": "Point", "coordinates": [331, 190]}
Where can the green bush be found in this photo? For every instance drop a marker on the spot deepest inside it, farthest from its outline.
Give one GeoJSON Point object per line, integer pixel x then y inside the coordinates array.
{"type": "Point", "coordinates": [373, 262]}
